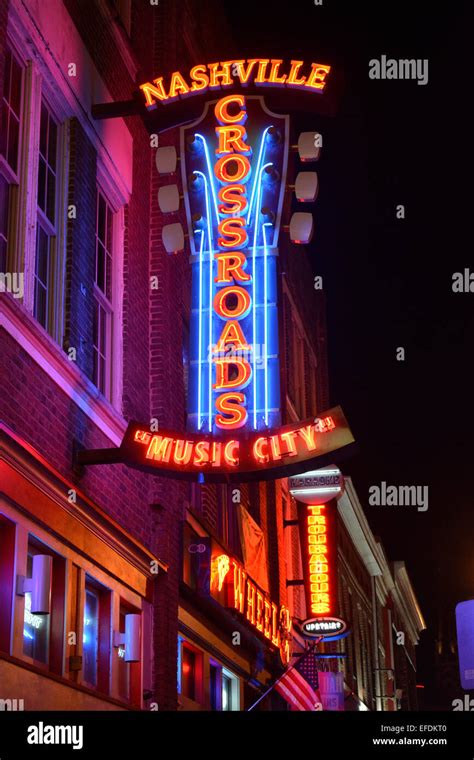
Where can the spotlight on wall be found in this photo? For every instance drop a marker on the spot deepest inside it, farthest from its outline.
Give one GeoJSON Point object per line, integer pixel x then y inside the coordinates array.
{"type": "Point", "coordinates": [166, 159]}
{"type": "Point", "coordinates": [301, 228]}
{"type": "Point", "coordinates": [168, 199]}
{"type": "Point", "coordinates": [309, 146]}
{"type": "Point", "coordinates": [306, 186]}
{"type": "Point", "coordinates": [39, 585]}
{"type": "Point", "coordinates": [173, 238]}
{"type": "Point", "coordinates": [130, 640]}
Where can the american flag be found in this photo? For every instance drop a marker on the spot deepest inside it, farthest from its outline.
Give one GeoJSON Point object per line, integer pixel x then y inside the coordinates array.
{"type": "Point", "coordinates": [299, 685]}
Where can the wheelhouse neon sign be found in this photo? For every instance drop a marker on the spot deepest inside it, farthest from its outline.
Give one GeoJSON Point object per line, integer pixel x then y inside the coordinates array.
{"type": "Point", "coordinates": [232, 587]}
{"type": "Point", "coordinates": [212, 76]}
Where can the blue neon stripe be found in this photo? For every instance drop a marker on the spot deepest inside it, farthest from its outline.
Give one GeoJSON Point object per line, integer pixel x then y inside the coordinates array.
{"type": "Point", "coordinates": [210, 173]}
{"type": "Point", "coordinates": [209, 237]}
{"type": "Point", "coordinates": [259, 161]}
{"type": "Point", "coordinates": [265, 329]}
{"type": "Point", "coordinates": [254, 293]}
{"type": "Point", "coordinates": [200, 331]}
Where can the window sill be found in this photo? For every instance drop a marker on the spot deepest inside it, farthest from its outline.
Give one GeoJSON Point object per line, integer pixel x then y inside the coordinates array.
{"type": "Point", "coordinates": [66, 682]}
{"type": "Point", "coordinates": [24, 329]}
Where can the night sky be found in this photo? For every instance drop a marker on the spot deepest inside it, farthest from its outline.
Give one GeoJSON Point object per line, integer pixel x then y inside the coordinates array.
{"type": "Point", "coordinates": [388, 282]}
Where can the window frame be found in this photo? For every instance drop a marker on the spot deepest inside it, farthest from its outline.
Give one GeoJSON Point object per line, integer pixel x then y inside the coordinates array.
{"type": "Point", "coordinates": [12, 177]}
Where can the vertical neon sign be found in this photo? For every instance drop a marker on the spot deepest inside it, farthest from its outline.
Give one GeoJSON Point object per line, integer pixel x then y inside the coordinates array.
{"type": "Point", "coordinates": [234, 169]}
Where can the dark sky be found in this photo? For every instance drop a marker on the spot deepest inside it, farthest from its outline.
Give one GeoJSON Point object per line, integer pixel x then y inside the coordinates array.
{"type": "Point", "coordinates": [388, 282]}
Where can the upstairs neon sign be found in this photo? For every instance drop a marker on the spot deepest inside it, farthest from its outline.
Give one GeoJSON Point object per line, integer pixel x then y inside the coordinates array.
{"type": "Point", "coordinates": [212, 76]}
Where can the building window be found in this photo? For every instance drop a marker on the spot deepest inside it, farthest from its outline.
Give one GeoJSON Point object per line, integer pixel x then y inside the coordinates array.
{"type": "Point", "coordinates": [124, 667]}
{"type": "Point", "coordinates": [90, 637]}
{"type": "Point", "coordinates": [103, 308]}
{"type": "Point", "coordinates": [46, 269]}
{"type": "Point", "coordinates": [189, 677]}
{"type": "Point", "coordinates": [9, 150]}
{"type": "Point", "coordinates": [36, 628]}
{"type": "Point", "coordinates": [190, 674]}
{"type": "Point", "coordinates": [224, 689]}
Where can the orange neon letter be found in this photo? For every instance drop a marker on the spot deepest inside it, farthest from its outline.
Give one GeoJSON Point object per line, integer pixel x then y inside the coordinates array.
{"type": "Point", "coordinates": [317, 77]}
{"type": "Point", "coordinates": [236, 236]}
{"type": "Point", "coordinates": [293, 75]}
{"type": "Point", "coordinates": [230, 267]}
{"type": "Point", "coordinates": [231, 453]}
{"type": "Point", "coordinates": [232, 136]}
{"type": "Point", "coordinates": [222, 114]}
{"type": "Point", "coordinates": [273, 75]}
{"type": "Point", "coordinates": [178, 86]}
{"type": "Point", "coordinates": [234, 197]}
{"type": "Point", "coordinates": [241, 308]}
{"type": "Point", "coordinates": [153, 92]}
{"type": "Point", "coordinates": [199, 77]}
{"type": "Point", "coordinates": [240, 165]}
{"type": "Point", "coordinates": [258, 451]}
{"type": "Point", "coordinates": [223, 73]}
{"type": "Point", "coordinates": [231, 335]}
{"type": "Point", "coordinates": [231, 404]}
{"type": "Point", "coordinates": [244, 372]}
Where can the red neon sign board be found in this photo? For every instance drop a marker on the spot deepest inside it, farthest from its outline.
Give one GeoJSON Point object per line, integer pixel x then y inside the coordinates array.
{"type": "Point", "coordinates": [259, 455]}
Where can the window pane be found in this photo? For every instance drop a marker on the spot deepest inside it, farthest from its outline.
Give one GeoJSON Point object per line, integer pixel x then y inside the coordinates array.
{"type": "Point", "coordinates": [188, 679]}
{"type": "Point", "coordinates": [13, 134]}
{"type": "Point", "coordinates": [15, 87]}
{"type": "Point", "coordinates": [41, 276]}
{"type": "Point", "coordinates": [226, 693]}
{"type": "Point", "coordinates": [4, 130]}
{"type": "Point", "coordinates": [53, 140]}
{"type": "Point", "coordinates": [44, 131]}
{"type": "Point", "coordinates": [35, 628]}
{"type": "Point", "coordinates": [4, 194]}
{"type": "Point", "coordinates": [124, 667]}
{"type": "Point", "coordinates": [42, 184]}
{"type": "Point", "coordinates": [100, 271]}
{"type": "Point", "coordinates": [51, 196]}
{"type": "Point", "coordinates": [90, 639]}
{"type": "Point", "coordinates": [101, 218]}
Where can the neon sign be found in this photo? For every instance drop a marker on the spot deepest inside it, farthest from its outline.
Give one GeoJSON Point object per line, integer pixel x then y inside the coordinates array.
{"type": "Point", "coordinates": [231, 586]}
{"type": "Point", "coordinates": [214, 76]}
{"type": "Point", "coordinates": [271, 454]}
{"type": "Point", "coordinates": [234, 167]}
{"type": "Point", "coordinates": [325, 627]}
{"type": "Point", "coordinates": [317, 524]}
